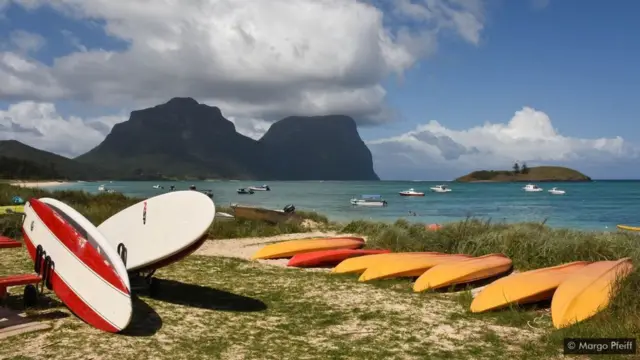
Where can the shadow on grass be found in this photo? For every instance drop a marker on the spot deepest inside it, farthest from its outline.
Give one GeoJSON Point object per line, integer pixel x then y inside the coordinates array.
{"type": "Point", "coordinates": [204, 297]}
{"type": "Point", "coordinates": [144, 322]}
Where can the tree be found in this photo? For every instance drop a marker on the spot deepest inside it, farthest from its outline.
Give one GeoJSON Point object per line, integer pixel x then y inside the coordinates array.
{"type": "Point", "coordinates": [516, 168]}
{"type": "Point", "coordinates": [524, 168]}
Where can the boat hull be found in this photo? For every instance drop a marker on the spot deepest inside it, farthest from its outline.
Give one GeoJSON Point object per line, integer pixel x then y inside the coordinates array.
{"type": "Point", "coordinates": [587, 292]}
{"type": "Point", "coordinates": [408, 266]}
{"type": "Point", "coordinates": [329, 257]}
{"type": "Point", "coordinates": [293, 247]}
{"type": "Point", "coordinates": [526, 287]}
{"type": "Point", "coordinates": [360, 264]}
{"type": "Point", "coordinates": [256, 213]}
{"type": "Point", "coordinates": [411, 194]}
{"type": "Point", "coordinates": [628, 228]}
{"type": "Point", "coordinates": [461, 272]}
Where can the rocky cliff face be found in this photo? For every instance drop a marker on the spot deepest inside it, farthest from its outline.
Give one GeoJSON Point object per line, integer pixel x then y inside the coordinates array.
{"type": "Point", "coordinates": [318, 147]}
{"type": "Point", "coordinates": [183, 138]}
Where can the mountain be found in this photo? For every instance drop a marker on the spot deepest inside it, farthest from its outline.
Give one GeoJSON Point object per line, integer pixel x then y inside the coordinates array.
{"type": "Point", "coordinates": [318, 147]}
{"type": "Point", "coordinates": [533, 174]}
{"type": "Point", "coordinates": [20, 161]}
{"type": "Point", "coordinates": [185, 139]}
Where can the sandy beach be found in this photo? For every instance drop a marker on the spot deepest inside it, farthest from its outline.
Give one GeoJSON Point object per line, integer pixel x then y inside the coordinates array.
{"type": "Point", "coordinates": [38, 184]}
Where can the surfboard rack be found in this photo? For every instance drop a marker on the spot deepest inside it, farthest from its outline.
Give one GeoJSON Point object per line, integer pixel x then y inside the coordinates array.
{"type": "Point", "coordinates": [143, 281]}
{"type": "Point", "coordinates": [43, 267]}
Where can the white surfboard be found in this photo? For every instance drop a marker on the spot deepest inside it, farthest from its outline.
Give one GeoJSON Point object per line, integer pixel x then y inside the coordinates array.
{"type": "Point", "coordinates": [160, 230]}
{"type": "Point", "coordinates": [86, 274]}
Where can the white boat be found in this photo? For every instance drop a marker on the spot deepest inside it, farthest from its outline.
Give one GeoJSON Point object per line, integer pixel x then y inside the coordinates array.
{"type": "Point", "coordinates": [532, 188]}
{"type": "Point", "coordinates": [101, 188]}
{"type": "Point", "coordinates": [411, 192]}
{"type": "Point", "coordinates": [223, 216]}
{"type": "Point", "coordinates": [156, 186]}
{"type": "Point", "coordinates": [369, 200]}
{"type": "Point", "coordinates": [260, 188]}
{"type": "Point", "coordinates": [556, 191]}
{"type": "Point", "coordinates": [440, 188]}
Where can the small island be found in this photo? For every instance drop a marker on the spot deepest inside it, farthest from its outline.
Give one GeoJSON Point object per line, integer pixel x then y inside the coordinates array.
{"type": "Point", "coordinates": [522, 173]}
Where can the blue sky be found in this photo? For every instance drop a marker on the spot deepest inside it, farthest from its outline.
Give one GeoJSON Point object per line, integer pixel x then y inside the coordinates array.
{"type": "Point", "coordinates": [575, 60]}
{"type": "Point", "coordinates": [569, 66]}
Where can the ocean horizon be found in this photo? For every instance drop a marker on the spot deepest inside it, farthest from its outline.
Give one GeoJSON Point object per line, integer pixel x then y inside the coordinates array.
{"type": "Point", "coordinates": [598, 205]}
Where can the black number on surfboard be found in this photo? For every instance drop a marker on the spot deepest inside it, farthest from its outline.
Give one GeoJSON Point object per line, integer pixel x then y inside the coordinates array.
{"type": "Point", "coordinates": [144, 214]}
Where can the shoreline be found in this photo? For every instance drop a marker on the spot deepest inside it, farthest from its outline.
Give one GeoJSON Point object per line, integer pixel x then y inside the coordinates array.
{"type": "Point", "coordinates": [38, 183]}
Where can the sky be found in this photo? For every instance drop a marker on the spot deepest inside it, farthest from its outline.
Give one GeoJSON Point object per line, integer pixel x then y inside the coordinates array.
{"type": "Point", "coordinates": [438, 88]}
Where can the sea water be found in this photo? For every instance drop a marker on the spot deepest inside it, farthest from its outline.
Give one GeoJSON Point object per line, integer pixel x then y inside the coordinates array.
{"type": "Point", "coordinates": [598, 205]}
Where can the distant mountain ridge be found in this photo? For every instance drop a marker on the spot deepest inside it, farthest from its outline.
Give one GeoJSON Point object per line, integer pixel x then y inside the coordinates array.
{"type": "Point", "coordinates": [183, 139]}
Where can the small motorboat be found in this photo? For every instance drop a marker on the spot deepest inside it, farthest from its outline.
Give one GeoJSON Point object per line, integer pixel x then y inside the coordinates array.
{"type": "Point", "coordinates": [411, 192]}
{"type": "Point", "coordinates": [156, 186]}
{"type": "Point", "coordinates": [260, 188]}
{"type": "Point", "coordinates": [244, 191]}
{"type": "Point", "coordinates": [369, 200]}
{"type": "Point", "coordinates": [101, 188]}
{"type": "Point", "coordinates": [223, 216]}
{"type": "Point", "coordinates": [556, 191]}
{"type": "Point", "coordinates": [532, 188]}
{"type": "Point", "coordinates": [209, 193]}
{"type": "Point", "coordinates": [440, 189]}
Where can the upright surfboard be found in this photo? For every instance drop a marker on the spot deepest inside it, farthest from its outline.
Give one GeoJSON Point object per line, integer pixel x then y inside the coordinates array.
{"type": "Point", "coordinates": [160, 230]}
{"type": "Point", "coordinates": [78, 264]}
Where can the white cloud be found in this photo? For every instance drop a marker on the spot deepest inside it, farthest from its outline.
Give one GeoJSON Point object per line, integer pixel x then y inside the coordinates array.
{"type": "Point", "coordinates": [254, 58]}
{"type": "Point", "coordinates": [26, 42]}
{"type": "Point", "coordinates": [41, 126]}
{"type": "Point", "coordinates": [529, 136]}
{"type": "Point", "coordinates": [539, 4]}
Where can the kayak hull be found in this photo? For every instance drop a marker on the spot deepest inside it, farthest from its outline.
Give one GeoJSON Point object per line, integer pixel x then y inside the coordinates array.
{"type": "Point", "coordinates": [329, 257]}
{"type": "Point", "coordinates": [408, 266]}
{"type": "Point", "coordinates": [359, 264]}
{"type": "Point", "coordinates": [461, 272]}
{"type": "Point", "coordinates": [290, 248]}
{"type": "Point", "coordinates": [587, 291]}
{"type": "Point", "coordinates": [523, 288]}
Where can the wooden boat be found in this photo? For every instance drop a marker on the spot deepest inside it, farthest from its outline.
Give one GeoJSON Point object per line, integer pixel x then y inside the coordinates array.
{"type": "Point", "coordinates": [268, 215]}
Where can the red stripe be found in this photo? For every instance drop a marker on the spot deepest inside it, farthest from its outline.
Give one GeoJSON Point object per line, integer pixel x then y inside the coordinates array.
{"type": "Point", "coordinates": [70, 299]}
{"type": "Point", "coordinates": [79, 246]}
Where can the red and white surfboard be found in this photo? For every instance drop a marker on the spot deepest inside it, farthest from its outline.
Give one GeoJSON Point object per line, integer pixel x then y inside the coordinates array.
{"type": "Point", "coordinates": [84, 271]}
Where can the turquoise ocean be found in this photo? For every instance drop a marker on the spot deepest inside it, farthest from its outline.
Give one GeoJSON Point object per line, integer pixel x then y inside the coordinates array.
{"type": "Point", "coordinates": [598, 205]}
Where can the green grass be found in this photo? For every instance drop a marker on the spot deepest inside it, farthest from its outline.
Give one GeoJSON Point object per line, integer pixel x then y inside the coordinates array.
{"type": "Point", "coordinates": [315, 315]}
{"type": "Point", "coordinates": [530, 246]}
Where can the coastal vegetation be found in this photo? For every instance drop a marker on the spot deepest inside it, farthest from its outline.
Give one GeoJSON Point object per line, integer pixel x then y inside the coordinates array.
{"type": "Point", "coordinates": [522, 173]}
{"type": "Point", "coordinates": [308, 313]}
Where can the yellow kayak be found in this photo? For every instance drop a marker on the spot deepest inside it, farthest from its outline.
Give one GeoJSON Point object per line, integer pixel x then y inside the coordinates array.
{"type": "Point", "coordinates": [407, 267]}
{"type": "Point", "coordinates": [359, 264]}
{"type": "Point", "coordinates": [293, 247]}
{"type": "Point", "coordinates": [628, 228]}
{"type": "Point", "coordinates": [587, 291]}
{"type": "Point", "coordinates": [11, 209]}
{"type": "Point", "coordinates": [526, 287]}
{"type": "Point", "coordinates": [464, 271]}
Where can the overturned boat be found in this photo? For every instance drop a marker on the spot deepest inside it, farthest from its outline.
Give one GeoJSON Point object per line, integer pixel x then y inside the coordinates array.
{"type": "Point", "coordinates": [257, 213]}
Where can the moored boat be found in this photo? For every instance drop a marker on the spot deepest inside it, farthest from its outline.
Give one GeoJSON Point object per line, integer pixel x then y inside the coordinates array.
{"type": "Point", "coordinates": [411, 192]}
{"type": "Point", "coordinates": [531, 188]}
{"type": "Point", "coordinates": [369, 200]}
{"type": "Point", "coordinates": [268, 215]}
{"type": "Point", "coordinates": [243, 191]}
{"type": "Point", "coordinates": [556, 191]}
{"type": "Point", "coordinates": [441, 189]}
{"type": "Point", "coordinates": [260, 188]}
